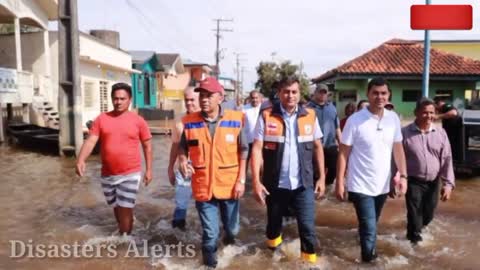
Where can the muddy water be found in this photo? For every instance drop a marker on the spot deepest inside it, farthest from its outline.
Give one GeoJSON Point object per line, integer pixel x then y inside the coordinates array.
{"type": "Point", "coordinates": [43, 202]}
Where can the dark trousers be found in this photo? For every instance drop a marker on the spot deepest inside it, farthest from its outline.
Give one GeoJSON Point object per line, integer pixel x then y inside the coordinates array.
{"type": "Point", "coordinates": [302, 201]}
{"type": "Point", "coordinates": [330, 156]}
{"type": "Point", "coordinates": [421, 200]}
{"type": "Point", "coordinates": [368, 209]}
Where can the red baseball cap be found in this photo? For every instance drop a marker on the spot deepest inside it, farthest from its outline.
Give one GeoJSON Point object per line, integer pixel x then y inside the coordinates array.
{"type": "Point", "coordinates": [211, 85]}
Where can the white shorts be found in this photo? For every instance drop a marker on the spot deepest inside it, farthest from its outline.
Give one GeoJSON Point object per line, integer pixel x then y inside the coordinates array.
{"type": "Point", "coordinates": [121, 190]}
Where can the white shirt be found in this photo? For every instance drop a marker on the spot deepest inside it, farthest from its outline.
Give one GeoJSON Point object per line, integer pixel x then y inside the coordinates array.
{"type": "Point", "coordinates": [290, 177]}
{"type": "Point", "coordinates": [371, 139]}
{"type": "Point", "coordinates": [251, 116]}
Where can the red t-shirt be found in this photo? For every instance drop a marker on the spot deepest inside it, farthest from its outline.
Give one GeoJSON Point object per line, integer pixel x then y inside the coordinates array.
{"type": "Point", "coordinates": [120, 138]}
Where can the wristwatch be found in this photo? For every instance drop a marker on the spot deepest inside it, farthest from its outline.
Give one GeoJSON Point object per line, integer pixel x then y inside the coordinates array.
{"type": "Point", "coordinates": [242, 181]}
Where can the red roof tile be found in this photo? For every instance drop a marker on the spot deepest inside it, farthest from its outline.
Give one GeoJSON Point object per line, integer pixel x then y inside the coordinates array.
{"type": "Point", "coordinates": [404, 57]}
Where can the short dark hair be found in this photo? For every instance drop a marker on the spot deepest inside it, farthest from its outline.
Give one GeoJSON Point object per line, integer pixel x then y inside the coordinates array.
{"type": "Point", "coordinates": [423, 102]}
{"type": "Point", "coordinates": [360, 103]}
{"type": "Point", "coordinates": [122, 86]}
{"type": "Point", "coordinates": [378, 81]}
{"type": "Point", "coordinates": [439, 99]}
{"type": "Point", "coordinates": [349, 105]}
{"type": "Point", "coordinates": [287, 81]}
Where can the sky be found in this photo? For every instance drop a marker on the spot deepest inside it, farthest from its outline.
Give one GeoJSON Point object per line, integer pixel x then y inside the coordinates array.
{"type": "Point", "coordinates": [320, 34]}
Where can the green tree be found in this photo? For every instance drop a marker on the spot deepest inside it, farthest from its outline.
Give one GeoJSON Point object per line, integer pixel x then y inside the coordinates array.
{"type": "Point", "coordinates": [270, 72]}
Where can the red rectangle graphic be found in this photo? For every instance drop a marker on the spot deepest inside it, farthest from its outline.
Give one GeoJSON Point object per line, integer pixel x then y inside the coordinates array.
{"type": "Point", "coordinates": [441, 17]}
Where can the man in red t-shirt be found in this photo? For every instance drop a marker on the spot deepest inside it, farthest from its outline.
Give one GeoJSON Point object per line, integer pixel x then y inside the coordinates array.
{"type": "Point", "coordinates": [120, 132]}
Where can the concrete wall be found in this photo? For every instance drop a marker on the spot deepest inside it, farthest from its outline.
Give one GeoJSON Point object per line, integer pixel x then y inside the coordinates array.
{"type": "Point", "coordinates": [344, 86]}
{"type": "Point", "coordinates": [27, 9]}
{"type": "Point", "coordinates": [103, 53]}
{"type": "Point", "coordinates": [92, 73]}
{"type": "Point", "coordinates": [33, 52]}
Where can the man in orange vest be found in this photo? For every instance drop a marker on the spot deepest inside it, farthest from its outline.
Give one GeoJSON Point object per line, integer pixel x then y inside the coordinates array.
{"type": "Point", "coordinates": [216, 144]}
{"type": "Point", "coordinates": [287, 137]}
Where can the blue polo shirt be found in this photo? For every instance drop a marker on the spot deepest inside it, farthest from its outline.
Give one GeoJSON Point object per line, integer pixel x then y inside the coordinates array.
{"type": "Point", "coordinates": [328, 120]}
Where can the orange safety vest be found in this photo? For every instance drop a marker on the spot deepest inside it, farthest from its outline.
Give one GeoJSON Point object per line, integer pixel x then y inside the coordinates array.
{"type": "Point", "coordinates": [274, 143]}
{"type": "Point", "coordinates": [215, 160]}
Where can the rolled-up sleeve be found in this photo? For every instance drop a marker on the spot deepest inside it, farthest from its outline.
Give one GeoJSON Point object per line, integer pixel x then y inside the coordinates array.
{"type": "Point", "coordinates": [317, 133]}
{"type": "Point", "coordinates": [258, 134]}
{"type": "Point", "coordinates": [243, 143]}
{"type": "Point", "coordinates": [183, 142]}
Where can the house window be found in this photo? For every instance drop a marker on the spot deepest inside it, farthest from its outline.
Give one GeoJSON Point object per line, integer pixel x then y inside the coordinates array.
{"type": "Point", "coordinates": [103, 96]}
{"type": "Point", "coordinates": [446, 95]}
{"type": "Point", "coordinates": [347, 96]}
{"type": "Point", "coordinates": [88, 94]}
{"type": "Point", "coordinates": [411, 95]}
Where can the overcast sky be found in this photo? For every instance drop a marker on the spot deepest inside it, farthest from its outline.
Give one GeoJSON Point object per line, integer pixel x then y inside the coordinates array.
{"type": "Point", "coordinates": [321, 34]}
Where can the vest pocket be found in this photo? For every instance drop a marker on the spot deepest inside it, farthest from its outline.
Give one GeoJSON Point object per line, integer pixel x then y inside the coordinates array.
{"type": "Point", "coordinates": [197, 155]}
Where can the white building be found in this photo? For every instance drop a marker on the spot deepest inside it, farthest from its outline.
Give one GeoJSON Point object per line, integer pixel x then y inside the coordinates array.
{"type": "Point", "coordinates": [29, 63]}
{"type": "Point", "coordinates": [25, 66]}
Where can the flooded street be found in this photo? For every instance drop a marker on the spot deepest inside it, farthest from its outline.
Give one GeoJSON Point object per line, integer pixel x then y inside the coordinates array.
{"type": "Point", "coordinates": [45, 202]}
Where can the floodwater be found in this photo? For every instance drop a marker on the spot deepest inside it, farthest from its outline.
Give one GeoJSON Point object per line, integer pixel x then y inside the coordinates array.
{"type": "Point", "coordinates": [44, 203]}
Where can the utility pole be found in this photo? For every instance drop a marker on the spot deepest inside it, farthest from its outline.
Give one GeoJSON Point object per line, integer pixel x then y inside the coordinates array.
{"type": "Point", "coordinates": [217, 31]}
{"type": "Point", "coordinates": [426, 60]}
{"type": "Point", "coordinates": [241, 86]}
{"type": "Point", "coordinates": [237, 69]}
{"type": "Point", "coordinates": [69, 94]}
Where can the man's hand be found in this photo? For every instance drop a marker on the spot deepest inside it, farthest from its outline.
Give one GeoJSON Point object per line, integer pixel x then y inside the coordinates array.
{"type": "Point", "coordinates": [80, 168]}
{"type": "Point", "coordinates": [171, 176]}
{"type": "Point", "coordinates": [186, 169]}
{"type": "Point", "coordinates": [398, 188]}
{"type": "Point", "coordinates": [319, 189]}
{"type": "Point", "coordinates": [402, 186]}
{"type": "Point", "coordinates": [239, 190]}
{"type": "Point", "coordinates": [260, 193]}
{"type": "Point", "coordinates": [147, 178]}
{"type": "Point", "coordinates": [340, 192]}
{"type": "Point", "coordinates": [445, 193]}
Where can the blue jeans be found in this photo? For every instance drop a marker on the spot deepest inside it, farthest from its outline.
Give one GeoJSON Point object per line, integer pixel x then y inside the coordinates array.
{"type": "Point", "coordinates": [368, 210]}
{"type": "Point", "coordinates": [302, 201]}
{"type": "Point", "coordinates": [208, 213]}
{"type": "Point", "coordinates": [183, 195]}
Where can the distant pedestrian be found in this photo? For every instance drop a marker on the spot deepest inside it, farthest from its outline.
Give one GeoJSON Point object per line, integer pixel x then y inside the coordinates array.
{"type": "Point", "coordinates": [183, 191]}
{"type": "Point", "coordinates": [252, 111]}
{"type": "Point", "coordinates": [330, 125]}
{"type": "Point", "coordinates": [349, 110]}
{"type": "Point", "coordinates": [452, 123]}
{"type": "Point", "coordinates": [362, 104]}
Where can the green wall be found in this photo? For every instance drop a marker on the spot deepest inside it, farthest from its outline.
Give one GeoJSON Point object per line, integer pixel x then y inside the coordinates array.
{"type": "Point", "coordinates": [138, 85]}
{"type": "Point", "coordinates": [404, 109]}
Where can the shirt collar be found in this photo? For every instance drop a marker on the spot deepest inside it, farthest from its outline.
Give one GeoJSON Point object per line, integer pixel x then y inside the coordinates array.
{"type": "Point", "coordinates": [220, 115]}
{"type": "Point", "coordinates": [414, 127]}
{"type": "Point", "coordinates": [284, 112]}
{"type": "Point", "coordinates": [371, 115]}
{"type": "Point", "coordinates": [319, 105]}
